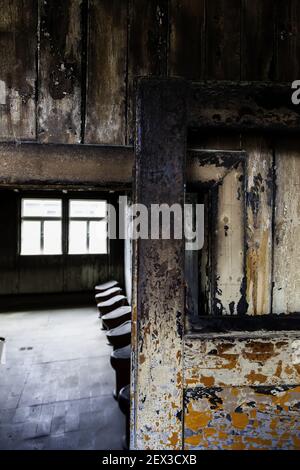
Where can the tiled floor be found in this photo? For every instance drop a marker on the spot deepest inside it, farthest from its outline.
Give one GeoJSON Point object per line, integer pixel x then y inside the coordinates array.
{"type": "Point", "coordinates": [56, 386]}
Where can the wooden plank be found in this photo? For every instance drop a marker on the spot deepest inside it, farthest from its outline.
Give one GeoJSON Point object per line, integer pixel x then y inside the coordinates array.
{"type": "Point", "coordinates": [65, 165]}
{"type": "Point", "coordinates": [106, 76]}
{"type": "Point", "coordinates": [242, 418]}
{"type": "Point", "coordinates": [59, 99]}
{"type": "Point", "coordinates": [245, 323]}
{"type": "Point", "coordinates": [187, 39]}
{"type": "Point", "coordinates": [260, 189]}
{"type": "Point", "coordinates": [242, 106]}
{"type": "Point", "coordinates": [208, 167]}
{"type": "Point", "coordinates": [288, 40]}
{"type": "Point", "coordinates": [18, 43]}
{"type": "Point", "coordinates": [228, 296]}
{"type": "Point", "coordinates": [223, 33]}
{"type": "Point", "coordinates": [242, 359]}
{"type": "Point", "coordinates": [286, 292]}
{"type": "Point", "coordinates": [148, 44]}
{"type": "Point", "coordinates": [160, 164]}
{"type": "Point", "coordinates": [258, 40]}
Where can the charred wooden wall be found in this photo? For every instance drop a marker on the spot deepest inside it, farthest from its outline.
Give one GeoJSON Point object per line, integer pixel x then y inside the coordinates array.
{"type": "Point", "coordinates": [68, 68]}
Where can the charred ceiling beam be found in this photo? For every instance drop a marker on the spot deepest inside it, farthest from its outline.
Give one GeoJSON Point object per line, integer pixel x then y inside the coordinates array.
{"type": "Point", "coordinates": [65, 165]}
{"type": "Point", "coordinates": [55, 165]}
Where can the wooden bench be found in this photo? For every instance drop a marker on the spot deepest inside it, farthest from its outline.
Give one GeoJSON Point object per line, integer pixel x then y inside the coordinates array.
{"type": "Point", "coordinates": [2, 348]}
{"type": "Point", "coordinates": [116, 317]}
{"type": "Point", "coordinates": [124, 405]}
{"type": "Point", "coordinates": [111, 304]}
{"type": "Point", "coordinates": [105, 286]}
{"type": "Point", "coordinates": [120, 336]}
{"type": "Point", "coordinates": [107, 294]}
{"type": "Point", "coordinates": [120, 362]}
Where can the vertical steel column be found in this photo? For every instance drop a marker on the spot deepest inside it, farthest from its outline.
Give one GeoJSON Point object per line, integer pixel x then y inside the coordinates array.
{"type": "Point", "coordinates": [158, 291]}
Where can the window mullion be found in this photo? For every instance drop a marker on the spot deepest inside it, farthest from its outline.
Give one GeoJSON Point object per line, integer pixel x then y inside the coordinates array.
{"type": "Point", "coordinates": [42, 236]}
{"type": "Point", "coordinates": [88, 236]}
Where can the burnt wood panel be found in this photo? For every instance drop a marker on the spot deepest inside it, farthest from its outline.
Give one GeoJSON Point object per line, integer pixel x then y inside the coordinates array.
{"type": "Point", "coordinates": [223, 39]}
{"type": "Point", "coordinates": [59, 103]}
{"type": "Point", "coordinates": [106, 76]}
{"type": "Point", "coordinates": [147, 47]}
{"type": "Point", "coordinates": [258, 40]}
{"type": "Point", "coordinates": [259, 237]}
{"type": "Point", "coordinates": [286, 274]}
{"type": "Point", "coordinates": [228, 270]}
{"type": "Point", "coordinates": [18, 43]}
{"type": "Point", "coordinates": [187, 39]}
{"type": "Point", "coordinates": [243, 106]}
{"type": "Point", "coordinates": [288, 40]}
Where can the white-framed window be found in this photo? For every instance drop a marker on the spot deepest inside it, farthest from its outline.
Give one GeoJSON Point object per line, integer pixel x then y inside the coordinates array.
{"type": "Point", "coordinates": [87, 226]}
{"type": "Point", "coordinates": [41, 226]}
{"type": "Point", "coordinates": [56, 226]}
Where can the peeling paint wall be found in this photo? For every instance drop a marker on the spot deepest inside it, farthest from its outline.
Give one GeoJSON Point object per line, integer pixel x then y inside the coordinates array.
{"type": "Point", "coordinates": [242, 418]}
{"type": "Point", "coordinates": [242, 392]}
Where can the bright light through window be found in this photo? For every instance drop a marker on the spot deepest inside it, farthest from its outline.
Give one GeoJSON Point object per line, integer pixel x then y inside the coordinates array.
{"type": "Point", "coordinates": [87, 227]}
{"type": "Point", "coordinates": [41, 228]}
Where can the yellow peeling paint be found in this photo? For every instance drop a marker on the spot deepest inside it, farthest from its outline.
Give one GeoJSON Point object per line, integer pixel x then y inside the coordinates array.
{"type": "Point", "coordinates": [208, 432]}
{"type": "Point", "coordinates": [239, 420]}
{"type": "Point", "coordinates": [255, 378]}
{"type": "Point", "coordinates": [197, 419]}
{"type": "Point", "coordinates": [193, 440]}
{"type": "Point", "coordinates": [174, 439]}
{"type": "Point", "coordinates": [207, 381]}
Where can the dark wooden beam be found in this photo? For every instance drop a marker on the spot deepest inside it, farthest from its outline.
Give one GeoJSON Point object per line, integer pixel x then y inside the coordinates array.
{"type": "Point", "coordinates": [109, 167]}
{"type": "Point", "coordinates": [242, 106]}
{"type": "Point", "coordinates": [65, 165]}
{"type": "Point", "coordinates": [158, 281]}
{"type": "Point", "coordinates": [245, 323]}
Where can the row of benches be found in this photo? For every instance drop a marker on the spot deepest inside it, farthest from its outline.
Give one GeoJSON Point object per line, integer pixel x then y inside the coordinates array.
{"type": "Point", "coordinates": [115, 317]}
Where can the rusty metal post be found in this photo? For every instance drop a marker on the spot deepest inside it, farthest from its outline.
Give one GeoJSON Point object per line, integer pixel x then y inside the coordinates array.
{"type": "Point", "coordinates": [158, 300]}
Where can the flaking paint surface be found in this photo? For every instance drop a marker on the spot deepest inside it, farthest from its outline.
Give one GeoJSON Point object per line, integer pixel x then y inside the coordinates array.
{"type": "Point", "coordinates": [242, 418]}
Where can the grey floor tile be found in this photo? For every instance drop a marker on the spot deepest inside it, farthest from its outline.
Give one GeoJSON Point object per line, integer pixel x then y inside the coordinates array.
{"type": "Point", "coordinates": [56, 387]}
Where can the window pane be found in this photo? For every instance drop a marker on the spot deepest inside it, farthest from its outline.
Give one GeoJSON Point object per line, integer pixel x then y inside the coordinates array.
{"type": "Point", "coordinates": [98, 237]}
{"type": "Point", "coordinates": [41, 208]}
{"type": "Point", "coordinates": [88, 209]}
{"type": "Point", "coordinates": [77, 237]}
{"type": "Point", "coordinates": [52, 237]}
{"type": "Point", "coordinates": [31, 238]}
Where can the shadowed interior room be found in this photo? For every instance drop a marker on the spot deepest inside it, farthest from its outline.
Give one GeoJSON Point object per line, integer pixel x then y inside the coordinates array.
{"type": "Point", "coordinates": [108, 110]}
